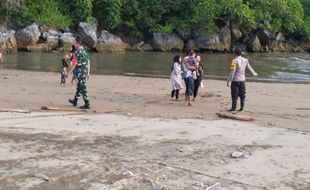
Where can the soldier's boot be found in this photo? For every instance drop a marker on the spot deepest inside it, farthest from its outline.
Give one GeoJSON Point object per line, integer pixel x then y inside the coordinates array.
{"type": "Point", "coordinates": [86, 105]}
{"type": "Point", "coordinates": [73, 101]}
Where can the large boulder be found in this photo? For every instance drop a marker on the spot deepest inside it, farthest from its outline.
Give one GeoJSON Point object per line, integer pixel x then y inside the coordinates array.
{"type": "Point", "coordinates": [235, 31]}
{"type": "Point", "coordinates": [66, 40]}
{"type": "Point", "coordinates": [109, 43]}
{"type": "Point", "coordinates": [254, 44]}
{"type": "Point", "coordinates": [39, 48]}
{"type": "Point", "coordinates": [280, 38]}
{"type": "Point", "coordinates": [147, 47]}
{"type": "Point", "coordinates": [184, 33]}
{"type": "Point", "coordinates": [218, 42]}
{"type": "Point", "coordinates": [136, 46]}
{"type": "Point", "coordinates": [53, 42]}
{"type": "Point", "coordinates": [278, 47]}
{"type": "Point", "coordinates": [8, 42]}
{"type": "Point", "coordinates": [167, 42]}
{"type": "Point", "coordinates": [264, 37]}
{"type": "Point", "coordinates": [88, 34]}
{"type": "Point", "coordinates": [191, 44]}
{"type": "Point", "coordinates": [28, 36]}
{"type": "Point", "coordinates": [306, 46]}
{"type": "Point", "coordinates": [51, 33]}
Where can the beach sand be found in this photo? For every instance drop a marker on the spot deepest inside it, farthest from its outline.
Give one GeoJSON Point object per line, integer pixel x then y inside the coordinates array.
{"type": "Point", "coordinates": [136, 138]}
{"type": "Point", "coordinates": [273, 105]}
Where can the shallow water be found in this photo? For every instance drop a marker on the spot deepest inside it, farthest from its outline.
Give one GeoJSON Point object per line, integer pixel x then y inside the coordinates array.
{"type": "Point", "coordinates": [274, 67]}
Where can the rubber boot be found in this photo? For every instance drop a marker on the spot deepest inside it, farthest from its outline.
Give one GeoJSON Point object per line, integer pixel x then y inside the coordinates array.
{"type": "Point", "coordinates": [86, 105]}
{"type": "Point", "coordinates": [73, 101]}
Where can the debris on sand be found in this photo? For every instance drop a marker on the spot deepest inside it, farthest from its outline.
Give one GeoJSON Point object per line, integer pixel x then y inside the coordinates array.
{"type": "Point", "coordinates": [41, 177]}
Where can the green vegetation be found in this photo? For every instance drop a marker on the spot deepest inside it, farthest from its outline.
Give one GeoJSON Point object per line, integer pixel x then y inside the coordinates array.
{"type": "Point", "coordinates": [142, 17]}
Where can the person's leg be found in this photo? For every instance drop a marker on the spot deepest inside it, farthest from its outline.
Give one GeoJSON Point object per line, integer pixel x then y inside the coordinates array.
{"type": "Point", "coordinates": [242, 93]}
{"type": "Point", "coordinates": [77, 94]}
{"type": "Point", "coordinates": [63, 77]}
{"type": "Point", "coordinates": [186, 90]}
{"type": "Point", "coordinates": [197, 84]}
{"type": "Point", "coordinates": [191, 86]}
{"type": "Point", "coordinates": [172, 93]}
{"type": "Point", "coordinates": [83, 91]}
{"type": "Point", "coordinates": [195, 87]}
{"type": "Point", "coordinates": [234, 95]}
{"type": "Point", "coordinates": [177, 94]}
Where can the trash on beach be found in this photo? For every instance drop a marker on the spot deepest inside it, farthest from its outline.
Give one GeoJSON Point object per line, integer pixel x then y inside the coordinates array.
{"type": "Point", "coordinates": [41, 177]}
{"type": "Point", "coordinates": [240, 154]}
{"type": "Point", "coordinates": [128, 173]}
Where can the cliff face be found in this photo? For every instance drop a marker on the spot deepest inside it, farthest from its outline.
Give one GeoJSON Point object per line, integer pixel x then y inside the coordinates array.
{"type": "Point", "coordinates": [40, 38]}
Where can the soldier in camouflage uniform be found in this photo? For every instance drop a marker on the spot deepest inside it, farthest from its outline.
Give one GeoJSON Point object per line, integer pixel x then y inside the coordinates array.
{"type": "Point", "coordinates": [81, 67]}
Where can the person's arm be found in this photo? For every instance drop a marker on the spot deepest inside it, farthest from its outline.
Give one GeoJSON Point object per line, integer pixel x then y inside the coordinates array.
{"type": "Point", "coordinates": [1, 59]}
{"type": "Point", "coordinates": [233, 67]}
{"type": "Point", "coordinates": [251, 70]}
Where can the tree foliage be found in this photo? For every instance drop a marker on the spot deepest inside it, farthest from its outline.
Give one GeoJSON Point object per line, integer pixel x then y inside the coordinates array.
{"type": "Point", "coordinates": [142, 17]}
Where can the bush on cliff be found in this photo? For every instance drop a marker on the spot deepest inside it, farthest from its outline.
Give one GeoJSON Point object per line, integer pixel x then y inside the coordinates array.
{"type": "Point", "coordinates": [52, 13]}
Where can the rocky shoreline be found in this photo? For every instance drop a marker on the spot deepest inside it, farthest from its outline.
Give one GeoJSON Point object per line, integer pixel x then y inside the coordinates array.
{"type": "Point", "coordinates": [40, 38]}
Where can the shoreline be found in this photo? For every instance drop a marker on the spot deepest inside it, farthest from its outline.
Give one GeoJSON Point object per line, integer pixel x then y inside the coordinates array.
{"type": "Point", "coordinates": [208, 77]}
{"type": "Point", "coordinates": [270, 104]}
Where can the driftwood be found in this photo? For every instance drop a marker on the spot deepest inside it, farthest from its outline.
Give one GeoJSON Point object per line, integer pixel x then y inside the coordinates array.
{"type": "Point", "coordinates": [47, 108]}
{"type": "Point", "coordinates": [235, 117]}
{"type": "Point", "coordinates": [15, 111]}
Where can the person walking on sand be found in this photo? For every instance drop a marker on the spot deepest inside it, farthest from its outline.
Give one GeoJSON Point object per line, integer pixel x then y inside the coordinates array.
{"type": "Point", "coordinates": [176, 78]}
{"type": "Point", "coordinates": [197, 82]}
{"type": "Point", "coordinates": [81, 66]}
{"type": "Point", "coordinates": [190, 68]}
{"type": "Point", "coordinates": [236, 79]}
{"type": "Point", "coordinates": [1, 58]}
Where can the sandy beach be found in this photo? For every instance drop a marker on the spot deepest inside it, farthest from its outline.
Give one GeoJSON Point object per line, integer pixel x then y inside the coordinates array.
{"type": "Point", "coordinates": [135, 137]}
{"type": "Point", "coordinates": [271, 105]}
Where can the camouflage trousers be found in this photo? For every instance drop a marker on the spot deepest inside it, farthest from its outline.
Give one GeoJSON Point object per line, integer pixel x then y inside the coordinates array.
{"type": "Point", "coordinates": [81, 89]}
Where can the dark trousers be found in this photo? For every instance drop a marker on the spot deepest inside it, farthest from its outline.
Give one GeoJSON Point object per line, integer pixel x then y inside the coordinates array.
{"type": "Point", "coordinates": [176, 93]}
{"type": "Point", "coordinates": [237, 90]}
{"type": "Point", "coordinates": [196, 85]}
{"type": "Point", "coordinates": [189, 83]}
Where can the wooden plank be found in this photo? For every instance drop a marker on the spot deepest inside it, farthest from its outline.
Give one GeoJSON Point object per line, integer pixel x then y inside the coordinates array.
{"type": "Point", "coordinates": [50, 108]}
{"type": "Point", "coordinates": [15, 111]}
{"type": "Point", "coordinates": [235, 116]}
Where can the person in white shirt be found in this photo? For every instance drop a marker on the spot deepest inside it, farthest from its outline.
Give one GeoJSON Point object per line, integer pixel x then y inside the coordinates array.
{"type": "Point", "coordinates": [236, 79]}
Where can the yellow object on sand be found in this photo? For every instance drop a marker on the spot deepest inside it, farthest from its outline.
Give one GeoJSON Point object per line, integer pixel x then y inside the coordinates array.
{"type": "Point", "coordinates": [49, 108]}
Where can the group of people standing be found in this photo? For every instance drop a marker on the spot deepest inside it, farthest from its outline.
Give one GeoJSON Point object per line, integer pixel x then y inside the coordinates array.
{"type": "Point", "coordinates": [192, 71]}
